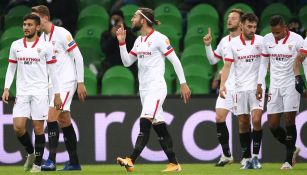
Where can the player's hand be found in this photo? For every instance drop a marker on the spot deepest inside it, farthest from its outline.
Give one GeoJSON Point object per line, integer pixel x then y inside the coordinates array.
{"type": "Point", "coordinates": [185, 92]}
{"type": "Point", "coordinates": [81, 92]}
{"type": "Point", "coordinates": [57, 101]}
{"type": "Point", "coordinates": [5, 96]}
{"type": "Point", "coordinates": [208, 38]}
{"type": "Point", "coordinates": [259, 92]}
{"type": "Point", "coordinates": [223, 92]}
{"type": "Point", "coordinates": [121, 34]}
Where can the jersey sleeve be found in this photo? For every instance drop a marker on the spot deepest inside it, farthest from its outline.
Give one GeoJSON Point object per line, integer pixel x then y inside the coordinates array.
{"type": "Point", "coordinates": [49, 54]}
{"type": "Point", "coordinates": [304, 48]}
{"type": "Point", "coordinates": [228, 55]}
{"type": "Point", "coordinates": [133, 50]}
{"type": "Point", "coordinates": [299, 43]}
{"type": "Point", "coordinates": [165, 46]}
{"type": "Point", "coordinates": [264, 49]}
{"type": "Point", "coordinates": [218, 51]}
{"type": "Point", "coordinates": [12, 56]}
{"type": "Point", "coordinates": [67, 40]}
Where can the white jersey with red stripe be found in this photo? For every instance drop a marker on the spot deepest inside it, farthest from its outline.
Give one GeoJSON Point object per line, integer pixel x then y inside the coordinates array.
{"type": "Point", "coordinates": [32, 59]}
{"type": "Point", "coordinates": [220, 54]}
{"type": "Point", "coordinates": [282, 54]}
{"type": "Point", "coordinates": [246, 57]}
{"type": "Point", "coordinates": [63, 43]}
{"type": "Point", "coordinates": [151, 51]}
{"type": "Point", "coordinates": [304, 51]}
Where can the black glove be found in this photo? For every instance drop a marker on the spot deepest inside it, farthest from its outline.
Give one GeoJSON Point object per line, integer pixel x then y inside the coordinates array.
{"type": "Point", "coordinates": [300, 84]}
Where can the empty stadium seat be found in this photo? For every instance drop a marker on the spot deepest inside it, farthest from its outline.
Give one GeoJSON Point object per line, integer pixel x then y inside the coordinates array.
{"type": "Point", "coordinates": [172, 36]}
{"type": "Point", "coordinates": [90, 81]}
{"type": "Point", "coordinates": [302, 14]}
{"type": "Point", "coordinates": [274, 9]}
{"type": "Point", "coordinates": [128, 11]}
{"type": "Point", "coordinates": [104, 3]}
{"type": "Point", "coordinates": [195, 36]}
{"type": "Point", "coordinates": [169, 14]}
{"type": "Point", "coordinates": [169, 76]}
{"type": "Point", "coordinates": [203, 14]}
{"type": "Point", "coordinates": [15, 16]}
{"type": "Point", "coordinates": [265, 30]}
{"type": "Point", "coordinates": [118, 80]}
{"type": "Point", "coordinates": [93, 15]}
{"type": "Point", "coordinates": [10, 35]}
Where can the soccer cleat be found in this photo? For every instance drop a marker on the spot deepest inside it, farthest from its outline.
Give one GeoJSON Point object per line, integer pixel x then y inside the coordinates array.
{"type": "Point", "coordinates": [49, 165]}
{"type": "Point", "coordinates": [71, 167]}
{"type": "Point", "coordinates": [171, 167]}
{"type": "Point", "coordinates": [295, 154]}
{"type": "Point", "coordinates": [248, 164]}
{"type": "Point", "coordinates": [29, 162]}
{"type": "Point", "coordinates": [286, 166]}
{"type": "Point", "coordinates": [256, 163]}
{"type": "Point", "coordinates": [35, 169]}
{"type": "Point", "coordinates": [243, 162]}
{"type": "Point", "coordinates": [127, 162]}
{"type": "Point", "coordinates": [224, 161]}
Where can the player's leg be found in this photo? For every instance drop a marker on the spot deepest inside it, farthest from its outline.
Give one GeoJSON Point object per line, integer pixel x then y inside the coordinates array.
{"type": "Point", "coordinates": [222, 108]}
{"type": "Point", "coordinates": [245, 138]}
{"type": "Point", "coordinates": [21, 113]}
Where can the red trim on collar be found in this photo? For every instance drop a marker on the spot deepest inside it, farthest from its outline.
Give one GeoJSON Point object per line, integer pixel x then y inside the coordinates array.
{"type": "Point", "coordinates": [285, 40]}
{"type": "Point", "coordinates": [242, 39]}
{"type": "Point", "coordinates": [229, 38]}
{"type": "Point", "coordinates": [51, 33]}
{"type": "Point", "coordinates": [152, 31]}
{"type": "Point", "coordinates": [34, 44]}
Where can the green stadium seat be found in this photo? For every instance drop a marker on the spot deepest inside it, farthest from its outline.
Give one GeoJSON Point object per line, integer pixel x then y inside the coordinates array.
{"type": "Point", "coordinates": [265, 30]}
{"type": "Point", "coordinates": [274, 9]}
{"type": "Point", "coordinates": [197, 79]}
{"type": "Point", "coordinates": [195, 35]}
{"type": "Point", "coordinates": [10, 35]}
{"type": "Point", "coordinates": [15, 16]}
{"type": "Point", "coordinates": [88, 40]}
{"type": "Point", "coordinates": [244, 7]}
{"type": "Point", "coordinates": [302, 14]}
{"type": "Point", "coordinates": [128, 11]}
{"type": "Point", "coordinates": [90, 81]}
{"type": "Point", "coordinates": [169, 14]}
{"type": "Point", "coordinates": [172, 36]}
{"type": "Point", "coordinates": [169, 76]}
{"type": "Point", "coordinates": [91, 55]}
{"type": "Point", "coordinates": [4, 55]}
{"type": "Point", "coordinates": [103, 3]}
{"type": "Point", "coordinates": [118, 80]}
{"type": "Point", "coordinates": [93, 15]}
{"type": "Point", "coordinates": [203, 14]}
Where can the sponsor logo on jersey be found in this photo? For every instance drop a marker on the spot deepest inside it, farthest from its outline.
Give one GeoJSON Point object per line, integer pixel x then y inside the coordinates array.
{"type": "Point", "coordinates": [272, 46]}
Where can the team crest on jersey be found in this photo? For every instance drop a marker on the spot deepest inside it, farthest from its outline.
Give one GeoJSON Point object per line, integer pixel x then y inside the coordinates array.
{"type": "Point", "coordinates": [257, 47]}
{"type": "Point", "coordinates": [290, 47]}
{"type": "Point", "coordinates": [53, 42]}
{"type": "Point", "coordinates": [149, 43]}
{"type": "Point", "coordinates": [39, 50]}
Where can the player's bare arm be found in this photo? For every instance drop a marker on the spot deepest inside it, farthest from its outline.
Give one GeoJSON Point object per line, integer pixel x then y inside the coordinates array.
{"type": "Point", "coordinates": [259, 92]}
{"type": "Point", "coordinates": [224, 77]}
{"type": "Point", "coordinates": [5, 95]}
{"type": "Point", "coordinates": [185, 92]}
{"type": "Point", "coordinates": [57, 101]}
{"type": "Point", "coordinates": [81, 91]}
{"type": "Point", "coordinates": [208, 38]}
{"type": "Point", "coordinates": [121, 34]}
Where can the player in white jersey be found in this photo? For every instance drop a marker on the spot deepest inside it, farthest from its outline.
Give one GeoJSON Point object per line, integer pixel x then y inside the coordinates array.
{"type": "Point", "coordinates": [245, 52]}
{"type": "Point", "coordinates": [150, 50]}
{"type": "Point", "coordinates": [71, 76]}
{"type": "Point", "coordinates": [280, 48]}
{"type": "Point", "coordinates": [33, 58]}
{"type": "Point", "coordinates": [301, 58]}
{"type": "Point", "coordinates": [223, 106]}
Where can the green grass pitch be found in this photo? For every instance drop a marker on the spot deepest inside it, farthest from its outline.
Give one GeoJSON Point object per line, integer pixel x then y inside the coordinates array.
{"type": "Point", "coordinates": [155, 169]}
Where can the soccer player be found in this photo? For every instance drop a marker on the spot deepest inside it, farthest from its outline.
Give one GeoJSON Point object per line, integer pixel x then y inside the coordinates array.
{"type": "Point", "coordinates": [280, 48]}
{"type": "Point", "coordinates": [70, 69]}
{"type": "Point", "coordinates": [300, 58]}
{"type": "Point", "coordinates": [223, 106]}
{"type": "Point", "coordinates": [150, 50]}
{"type": "Point", "coordinates": [245, 52]}
{"type": "Point", "coordinates": [33, 58]}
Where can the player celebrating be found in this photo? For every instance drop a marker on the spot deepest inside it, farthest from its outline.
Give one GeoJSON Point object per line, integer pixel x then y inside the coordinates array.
{"type": "Point", "coordinates": [300, 58]}
{"type": "Point", "coordinates": [150, 50]}
{"type": "Point", "coordinates": [70, 68]}
{"type": "Point", "coordinates": [33, 58]}
{"type": "Point", "coordinates": [280, 48]}
{"type": "Point", "coordinates": [223, 106]}
{"type": "Point", "coordinates": [245, 52]}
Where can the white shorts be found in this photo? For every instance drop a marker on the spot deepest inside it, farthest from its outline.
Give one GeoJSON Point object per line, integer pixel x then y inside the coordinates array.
{"type": "Point", "coordinates": [246, 101]}
{"type": "Point", "coordinates": [34, 107]}
{"type": "Point", "coordinates": [67, 92]}
{"type": "Point", "coordinates": [152, 101]}
{"type": "Point", "coordinates": [285, 99]}
{"type": "Point", "coordinates": [226, 103]}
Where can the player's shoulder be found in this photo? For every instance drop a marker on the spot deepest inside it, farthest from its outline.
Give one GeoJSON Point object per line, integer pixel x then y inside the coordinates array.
{"type": "Point", "coordinates": [158, 35]}
{"type": "Point", "coordinates": [258, 38]}
{"type": "Point", "coordinates": [268, 38]}
{"type": "Point", "coordinates": [17, 42]}
{"type": "Point", "coordinates": [62, 30]}
{"type": "Point", "coordinates": [295, 36]}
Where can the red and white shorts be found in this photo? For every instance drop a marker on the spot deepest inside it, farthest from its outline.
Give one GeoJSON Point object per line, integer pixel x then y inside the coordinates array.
{"type": "Point", "coordinates": [67, 92]}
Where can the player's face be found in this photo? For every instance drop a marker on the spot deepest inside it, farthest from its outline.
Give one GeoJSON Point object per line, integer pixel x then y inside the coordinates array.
{"type": "Point", "coordinates": [137, 22]}
{"type": "Point", "coordinates": [248, 29]}
{"type": "Point", "coordinates": [43, 21]}
{"type": "Point", "coordinates": [279, 31]}
{"type": "Point", "coordinates": [30, 28]}
{"type": "Point", "coordinates": [233, 21]}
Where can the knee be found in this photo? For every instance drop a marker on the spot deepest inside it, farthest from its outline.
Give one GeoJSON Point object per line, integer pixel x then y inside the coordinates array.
{"type": "Point", "coordinates": [38, 129]}
{"type": "Point", "coordinates": [256, 122]}
{"type": "Point", "coordinates": [64, 121]}
{"type": "Point", "coordinates": [19, 130]}
{"type": "Point", "coordinates": [145, 125]}
{"type": "Point", "coordinates": [220, 118]}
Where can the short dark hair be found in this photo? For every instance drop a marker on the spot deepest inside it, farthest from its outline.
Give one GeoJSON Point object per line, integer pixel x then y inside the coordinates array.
{"type": "Point", "coordinates": [239, 11]}
{"type": "Point", "coordinates": [42, 10]}
{"type": "Point", "coordinates": [33, 17]}
{"type": "Point", "coordinates": [149, 13]}
{"type": "Point", "coordinates": [251, 17]}
{"type": "Point", "coordinates": [277, 20]}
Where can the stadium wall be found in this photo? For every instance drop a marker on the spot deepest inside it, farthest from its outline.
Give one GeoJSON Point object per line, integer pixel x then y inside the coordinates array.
{"type": "Point", "coordinates": [108, 127]}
